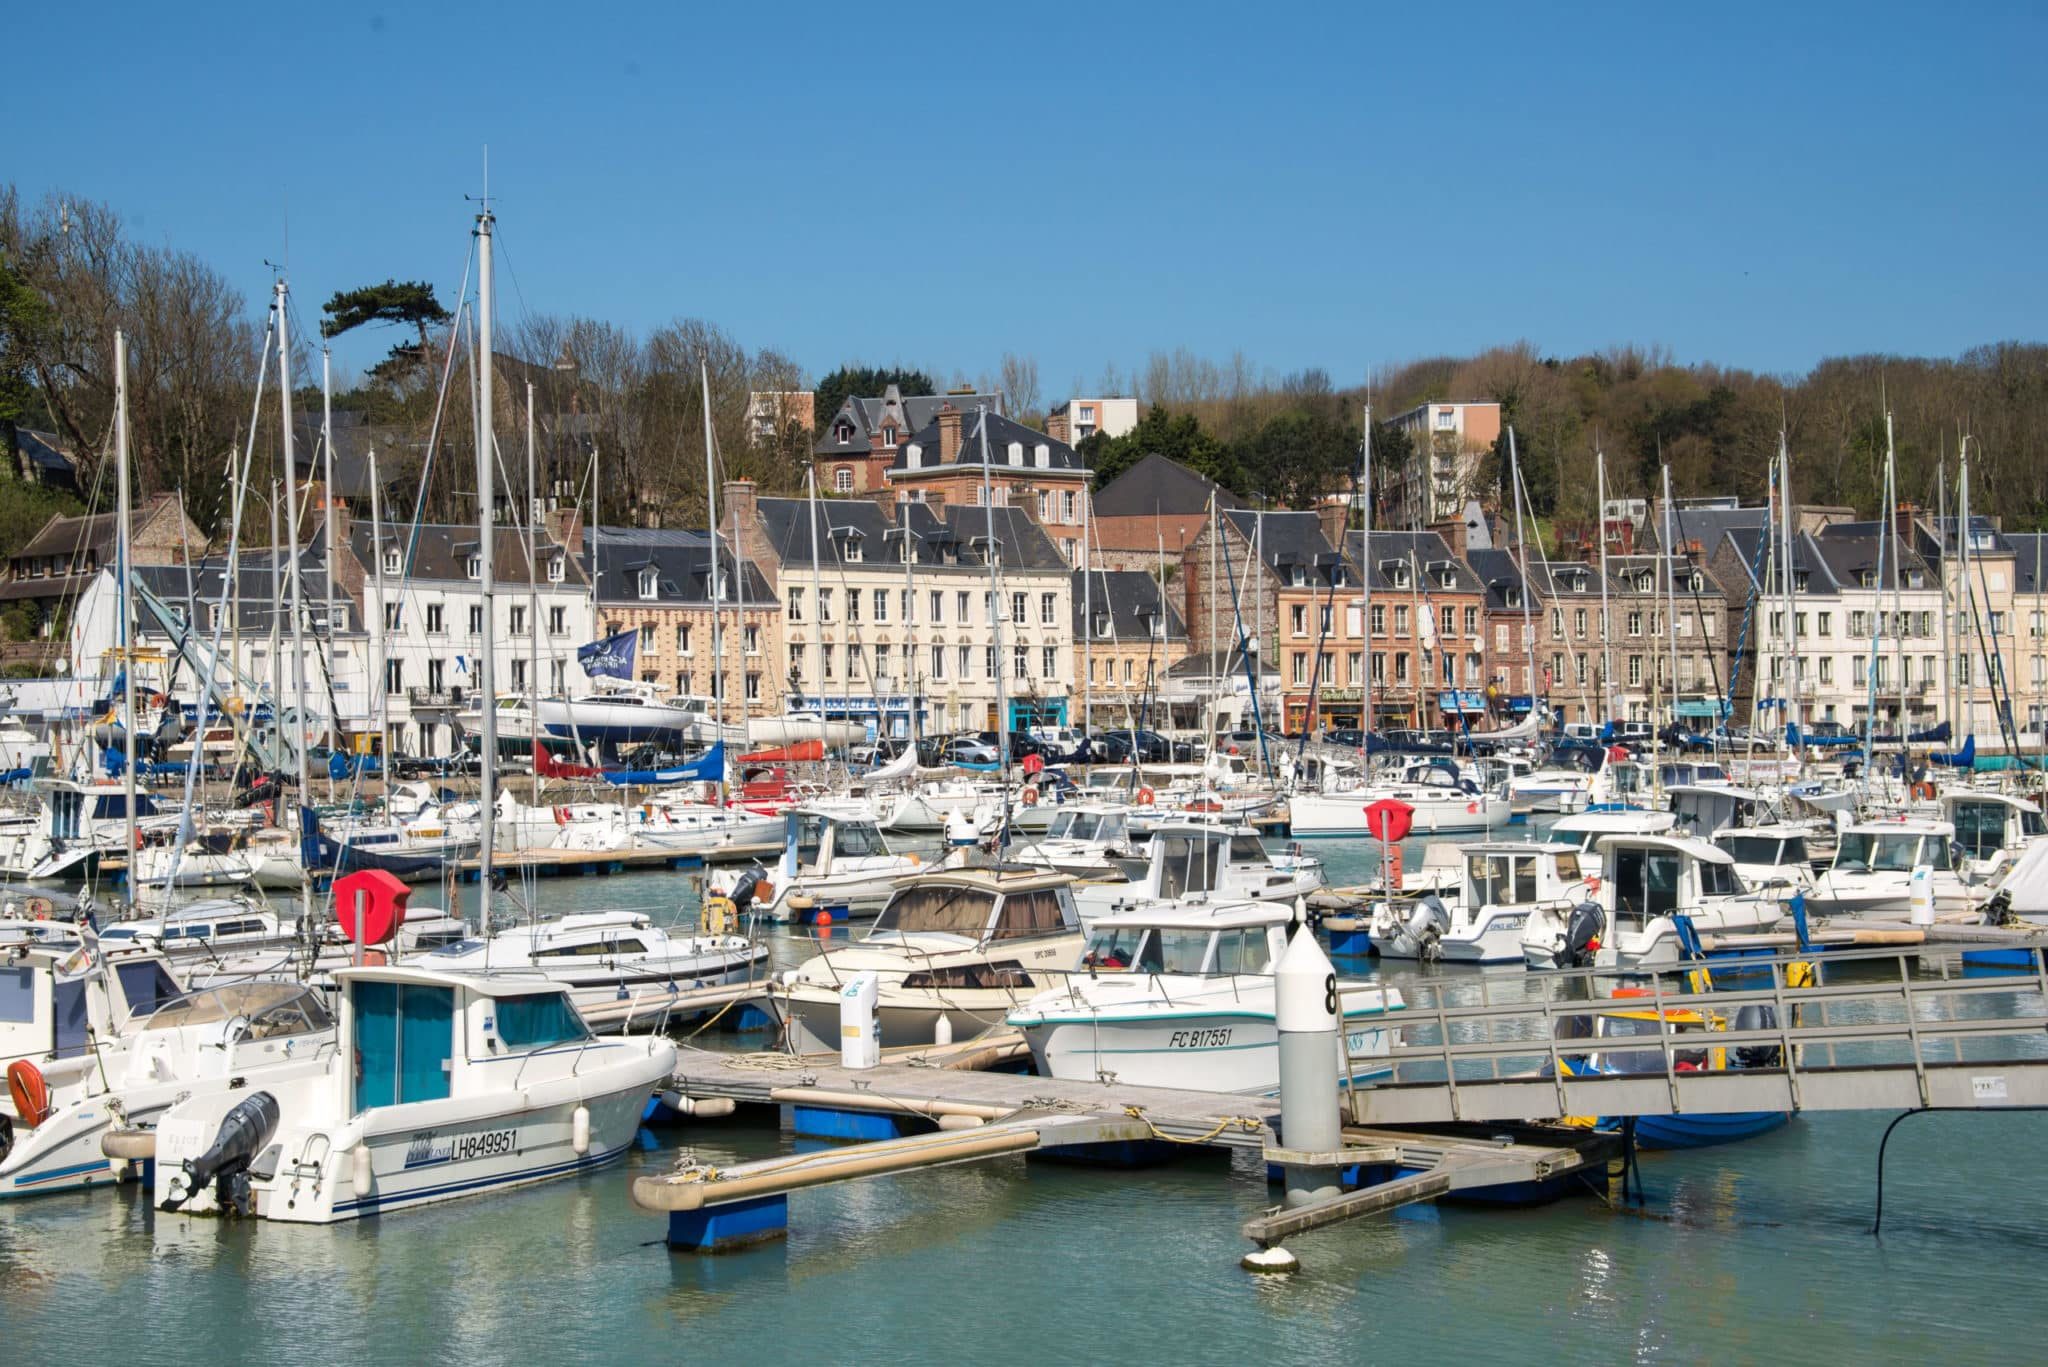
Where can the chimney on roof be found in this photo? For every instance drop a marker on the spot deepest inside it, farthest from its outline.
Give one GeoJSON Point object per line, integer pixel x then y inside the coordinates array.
{"type": "Point", "coordinates": [565, 527]}
{"type": "Point", "coordinates": [1453, 531]}
{"type": "Point", "coordinates": [1330, 516]}
{"type": "Point", "coordinates": [1906, 516]}
{"type": "Point", "coordinates": [949, 434]}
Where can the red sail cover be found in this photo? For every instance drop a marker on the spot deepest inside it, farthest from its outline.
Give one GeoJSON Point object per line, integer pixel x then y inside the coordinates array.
{"type": "Point", "coordinates": [802, 751]}
{"type": "Point", "coordinates": [545, 765]}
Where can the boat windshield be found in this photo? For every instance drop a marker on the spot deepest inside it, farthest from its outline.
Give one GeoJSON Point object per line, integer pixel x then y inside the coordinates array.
{"type": "Point", "coordinates": [1243, 951]}
{"type": "Point", "coordinates": [1187, 864]}
{"type": "Point", "coordinates": [1980, 827]}
{"type": "Point", "coordinates": [1753, 849]}
{"type": "Point", "coordinates": [1718, 880]}
{"type": "Point", "coordinates": [1501, 880]}
{"type": "Point", "coordinates": [1889, 852]}
{"type": "Point", "coordinates": [272, 1009]}
{"type": "Point", "coordinates": [937, 909]}
{"type": "Point", "coordinates": [857, 840]}
{"type": "Point", "coordinates": [1150, 950]}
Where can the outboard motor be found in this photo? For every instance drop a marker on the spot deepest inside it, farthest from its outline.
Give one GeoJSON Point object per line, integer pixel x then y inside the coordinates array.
{"type": "Point", "coordinates": [243, 1133]}
{"type": "Point", "coordinates": [742, 894]}
{"type": "Point", "coordinates": [1582, 936]}
{"type": "Point", "coordinates": [1757, 1016]}
{"type": "Point", "coordinates": [1426, 926]}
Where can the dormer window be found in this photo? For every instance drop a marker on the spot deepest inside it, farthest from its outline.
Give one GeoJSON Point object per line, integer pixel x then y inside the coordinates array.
{"type": "Point", "coordinates": [393, 561]}
{"type": "Point", "coordinates": [1511, 596]}
{"type": "Point", "coordinates": [650, 583]}
{"type": "Point", "coordinates": [842, 432]}
{"type": "Point", "coordinates": [1296, 576]}
{"type": "Point", "coordinates": [1800, 580]}
{"type": "Point", "coordinates": [1016, 453]}
{"type": "Point", "coordinates": [558, 569]}
{"type": "Point", "coordinates": [476, 567]}
{"type": "Point", "coordinates": [1866, 579]}
{"type": "Point", "coordinates": [1646, 581]}
{"type": "Point", "coordinates": [1694, 582]}
{"type": "Point", "coordinates": [1102, 626]}
{"type": "Point", "coordinates": [1915, 579]}
{"type": "Point", "coordinates": [1043, 453]}
{"type": "Point", "coordinates": [913, 456]}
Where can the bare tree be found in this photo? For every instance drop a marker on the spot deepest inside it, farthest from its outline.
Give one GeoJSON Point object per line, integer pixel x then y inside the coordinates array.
{"type": "Point", "coordinates": [1020, 384]}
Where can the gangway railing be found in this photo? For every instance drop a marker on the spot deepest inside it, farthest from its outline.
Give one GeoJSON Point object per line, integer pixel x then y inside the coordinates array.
{"type": "Point", "coordinates": [1873, 1035]}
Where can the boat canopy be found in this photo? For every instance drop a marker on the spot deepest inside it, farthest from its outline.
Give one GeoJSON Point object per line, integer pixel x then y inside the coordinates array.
{"type": "Point", "coordinates": [974, 909]}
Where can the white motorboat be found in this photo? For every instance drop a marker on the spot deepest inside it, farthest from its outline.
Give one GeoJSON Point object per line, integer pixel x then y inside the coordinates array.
{"type": "Point", "coordinates": [965, 945]}
{"type": "Point", "coordinates": [1443, 801]}
{"type": "Point", "coordinates": [226, 1039]}
{"type": "Point", "coordinates": [1191, 859]}
{"type": "Point", "coordinates": [1582, 831]}
{"type": "Point", "coordinates": [1088, 840]}
{"type": "Point", "coordinates": [1872, 872]}
{"type": "Point", "coordinates": [211, 929]}
{"type": "Point", "coordinates": [1182, 996]}
{"type": "Point", "coordinates": [1773, 855]}
{"type": "Point", "coordinates": [798, 725]}
{"type": "Point", "coordinates": [218, 857]}
{"type": "Point", "coordinates": [621, 969]}
{"type": "Point", "coordinates": [1992, 829]}
{"type": "Point", "coordinates": [834, 866]}
{"type": "Point", "coordinates": [1483, 921]}
{"type": "Point", "coordinates": [444, 1085]}
{"type": "Point", "coordinates": [1647, 882]}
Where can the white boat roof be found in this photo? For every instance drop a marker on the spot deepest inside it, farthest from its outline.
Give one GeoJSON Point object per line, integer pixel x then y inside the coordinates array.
{"type": "Point", "coordinates": [1683, 844]}
{"type": "Point", "coordinates": [1770, 830]}
{"type": "Point", "coordinates": [1515, 847]}
{"type": "Point", "coordinates": [1899, 825]}
{"type": "Point", "coordinates": [1006, 878]}
{"type": "Point", "coordinates": [1200, 916]}
{"type": "Point", "coordinates": [1714, 790]}
{"type": "Point", "coordinates": [483, 985]}
{"type": "Point", "coordinates": [1631, 822]}
{"type": "Point", "coordinates": [1954, 795]}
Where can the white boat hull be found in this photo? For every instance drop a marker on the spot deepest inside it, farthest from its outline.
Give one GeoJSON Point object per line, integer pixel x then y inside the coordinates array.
{"type": "Point", "coordinates": [1327, 814]}
{"type": "Point", "coordinates": [1202, 1051]}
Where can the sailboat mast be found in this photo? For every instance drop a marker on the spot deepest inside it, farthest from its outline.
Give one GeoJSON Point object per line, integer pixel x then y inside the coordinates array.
{"type": "Point", "coordinates": [327, 518]}
{"type": "Point", "coordinates": [1522, 557]}
{"type": "Point", "coordinates": [1792, 717]}
{"type": "Point", "coordinates": [1606, 618]}
{"type": "Point", "coordinates": [1365, 589]}
{"type": "Point", "coordinates": [533, 540]}
{"type": "Point", "coordinates": [817, 602]}
{"type": "Point", "coordinates": [1671, 594]}
{"type": "Point", "coordinates": [711, 516]}
{"type": "Point", "coordinates": [291, 509]}
{"type": "Point", "coordinates": [124, 550]}
{"type": "Point", "coordinates": [997, 609]}
{"type": "Point", "coordinates": [910, 707]}
{"type": "Point", "coordinates": [486, 529]}
{"type": "Point", "coordinates": [1088, 615]}
{"type": "Point", "coordinates": [1948, 655]}
{"type": "Point", "coordinates": [381, 658]}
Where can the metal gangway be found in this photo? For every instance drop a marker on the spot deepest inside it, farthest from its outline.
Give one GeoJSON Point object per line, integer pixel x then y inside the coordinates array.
{"type": "Point", "coordinates": [1871, 1029]}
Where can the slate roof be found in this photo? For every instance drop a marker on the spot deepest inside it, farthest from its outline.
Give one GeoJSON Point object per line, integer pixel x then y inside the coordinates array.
{"type": "Point", "coordinates": [912, 414]}
{"type": "Point", "coordinates": [1823, 571]}
{"type": "Point", "coordinates": [2030, 561]}
{"type": "Point", "coordinates": [1127, 602]}
{"type": "Point", "coordinates": [1157, 485]}
{"type": "Point", "coordinates": [202, 583]}
{"type": "Point", "coordinates": [1427, 552]}
{"type": "Point", "coordinates": [1003, 434]}
{"type": "Point", "coordinates": [940, 541]}
{"type": "Point", "coordinates": [681, 561]}
{"type": "Point", "coordinates": [44, 452]}
{"type": "Point", "coordinates": [1287, 539]}
{"type": "Point", "coordinates": [1847, 556]}
{"type": "Point", "coordinates": [443, 550]}
{"type": "Point", "coordinates": [1498, 571]}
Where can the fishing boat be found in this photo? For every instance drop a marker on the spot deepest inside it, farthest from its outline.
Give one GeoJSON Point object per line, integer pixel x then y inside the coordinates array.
{"type": "Point", "coordinates": [217, 1041]}
{"type": "Point", "coordinates": [1483, 920]}
{"type": "Point", "coordinates": [1582, 831]}
{"type": "Point", "coordinates": [1874, 865]}
{"type": "Point", "coordinates": [1186, 858]}
{"type": "Point", "coordinates": [1182, 996]}
{"type": "Point", "coordinates": [1632, 1018]}
{"type": "Point", "coordinates": [1774, 854]}
{"type": "Point", "coordinates": [960, 945]}
{"type": "Point", "coordinates": [1647, 882]}
{"type": "Point", "coordinates": [834, 866]}
{"type": "Point", "coordinates": [444, 1085]}
{"type": "Point", "coordinates": [621, 970]}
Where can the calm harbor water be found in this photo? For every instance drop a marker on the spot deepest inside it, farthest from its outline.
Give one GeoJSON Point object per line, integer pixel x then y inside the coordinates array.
{"type": "Point", "coordinates": [1759, 1250]}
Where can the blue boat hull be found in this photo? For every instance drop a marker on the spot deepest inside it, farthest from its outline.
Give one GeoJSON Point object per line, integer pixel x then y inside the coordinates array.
{"type": "Point", "coordinates": [1701, 1131]}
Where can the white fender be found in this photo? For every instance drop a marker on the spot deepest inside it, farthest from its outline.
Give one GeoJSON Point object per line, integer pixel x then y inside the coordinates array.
{"type": "Point", "coordinates": [579, 1130]}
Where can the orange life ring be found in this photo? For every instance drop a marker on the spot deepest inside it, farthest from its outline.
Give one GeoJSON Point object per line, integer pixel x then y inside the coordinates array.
{"type": "Point", "coordinates": [29, 1092]}
{"type": "Point", "coordinates": [1146, 797]}
{"type": "Point", "coordinates": [1031, 797]}
{"type": "Point", "coordinates": [561, 816]}
{"type": "Point", "coordinates": [1924, 790]}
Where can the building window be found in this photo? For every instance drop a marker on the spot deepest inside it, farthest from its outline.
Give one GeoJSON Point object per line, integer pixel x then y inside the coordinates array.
{"type": "Point", "coordinates": [558, 620]}
{"type": "Point", "coordinates": [1635, 670]}
{"type": "Point", "coordinates": [852, 604]}
{"type": "Point", "coordinates": [1635, 622]}
{"type": "Point", "coordinates": [796, 662]}
{"type": "Point", "coordinates": [434, 619]}
{"type": "Point", "coordinates": [1297, 619]}
{"type": "Point", "coordinates": [753, 686]}
{"type": "Point", "coordinates": [476, 619]}
{"type": "Point", "coordinates": [824, 605]}
{"type": "Point", "coordinates": [1048, 662]}
{"type": "Point", "coordinates": [393, 562]}
{"type": "Point", "coordinates": [1045, 505]}
{"type": "Point", "coordinates": [518, 619]}
{"type": "Point", "coordinates": [853, 555]}
{"type": "Point", "coordinates": [1447, 668]}
{"type": "Point", "coordinates": [394, 676]}
{"type": "Point", "coordinates": [1472, 622]}
{"type": "Point", "coordinates": [960, 657]}
{"type": "Point", "coordinates": [881, 605]}
{"type": "Point", "coordinates": [938, 606]}
{"type": "Point", "coordinates": [1069, 504]}
{"type": "Point", "coordinates": [959, 608]}
{"type": "Point", "coordinates": [1016, 608]}
{"type": "Point", "coordinates": [437, 674]}
{"type": "Point", "coordinates": [558, 569]}
{"type": "Point", "coordinates": [1447, 420]}
{"type": "Point", "coordinates": [796, 605]}
{"type": "Point", "coordinates": [1020, 663]}
{"type": "Point", "coordinates": [988, 662]}
{"type": "Point", "coordinates": [1046, 609]}
{"type": "Point", "coordinates": [842, 479]}
{"type": "Point", "coordinates": [825, 662]}
{"type": "Point", "coordinates": [1400, 620]}
{"type": "Point", "coordinates": [1449, 621]}
{"type": "Point", "coordinates": [1579, 623]}
{"type": "Point", "coordinates": [476, 567]}
{"type": "Point", "coordinates": [391, 616]}
{"type": "Point", "coordinates": [683, 639]}
{"type": "Point", "coordinates": [1379, 619]}
{"type": "Point", "coordinates": [1324, 623]}
{"type": "Point", "coordinates": [883, 653]}
{"type": "Point", "coordinates": [1300, 666]}
{"type": "Point", "coordinates": [650, 584]}
{"type": "Point", "coordinates": [1401, 667]}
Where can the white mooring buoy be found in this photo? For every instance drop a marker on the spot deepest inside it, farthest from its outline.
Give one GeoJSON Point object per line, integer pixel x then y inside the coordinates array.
{"type": "Point", "coordinates": [1270, 1262]}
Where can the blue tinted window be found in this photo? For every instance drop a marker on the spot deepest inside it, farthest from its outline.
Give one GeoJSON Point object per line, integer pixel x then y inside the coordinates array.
{"type": "Point", "coordinates": [17, 995]}
{"type": "Point", "coordinates": [537, 1021]}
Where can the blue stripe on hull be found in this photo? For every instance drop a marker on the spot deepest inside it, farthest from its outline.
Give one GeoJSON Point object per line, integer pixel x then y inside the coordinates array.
{"type": "Point", "coordinates": [40, 1183]}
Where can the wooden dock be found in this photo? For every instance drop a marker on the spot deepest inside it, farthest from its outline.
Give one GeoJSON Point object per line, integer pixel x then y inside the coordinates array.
{"type": "Point", "coordinates": [602, 863]}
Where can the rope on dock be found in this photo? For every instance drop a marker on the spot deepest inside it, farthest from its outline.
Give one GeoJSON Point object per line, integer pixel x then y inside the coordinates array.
{"type": "Point", "coordinates": [1250, 1124]}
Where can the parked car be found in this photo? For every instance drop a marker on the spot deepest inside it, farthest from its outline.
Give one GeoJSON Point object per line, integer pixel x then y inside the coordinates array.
{"type": "Point", "coordinates": [1349, 737]}
{"type": "Point", "coordinates": [967, 750]}
{"type": "Point", "coordinates": [1149, 746]}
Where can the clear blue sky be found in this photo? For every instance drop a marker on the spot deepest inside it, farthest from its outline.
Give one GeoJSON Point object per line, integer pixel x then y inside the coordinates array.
{"type": "Point", "coordinates": [1345, 187]}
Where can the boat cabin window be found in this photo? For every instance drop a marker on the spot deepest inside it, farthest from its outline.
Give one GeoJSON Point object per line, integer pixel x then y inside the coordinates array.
{"type": "Point", "coordinates": [1175, 951]}
{"type": "Point", "coordinates": [857, 840]}
{"type": "Point", "coordinates": [937, 909]}
{"type": "Point", "coordinates": [1645, 882]}
{"type": "Point", "coordinates": [1243, 951]}
{"type": "Point", "coordinates": [1113, 947]}
{"type": "Point", "coordinates": [404, 1042]}
{"type": "Point", "coordinates": [1889, 852]}
{"type": "Point", "coordinates": [1567, 868]}
{"type": "Point", "coordinates": [146, 985]}
{"type": "Point", "coordinates": [272, 1010]}
{"type": "Point", "coordinates": [589, 949]}
{"type": "Point", "coordinates": [1627, 778]}
{"type": "Point", "coordinates": [1187, 864]}
{"type": "Point", "coordinates": [1030, 913]}
{"type": "Point", "coordinates": [2032, 822]}
{"type": "Point", "coordinates": [1753, 849]}
{"type": "Point", "coordinates": [1070, 826]}
{"type": "Point", "coordinates": [1718, 880]}
{"type": "Point", "coordinates": [538, 1021]}
{"type": "Point", "coordinates": [1980, 827]}
{"type": "Point", "coordinates": [989, 977]}
{"type": "Point", "coordinates": [1246, 849]}
{"type": "Point", "coordinates": [1501, 880]}
{"type": "Point", "coordinates": [17, 996]}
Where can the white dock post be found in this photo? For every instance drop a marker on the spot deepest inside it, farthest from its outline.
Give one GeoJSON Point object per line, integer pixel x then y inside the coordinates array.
{"type": "Point", "coordinates": [860, 1036]}
{"type": "Point", "coordinates": [1305, 1009]}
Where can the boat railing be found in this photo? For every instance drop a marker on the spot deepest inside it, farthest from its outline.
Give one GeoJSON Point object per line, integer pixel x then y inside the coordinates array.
{"type": "Point", "coordinates": [1870, 1033]}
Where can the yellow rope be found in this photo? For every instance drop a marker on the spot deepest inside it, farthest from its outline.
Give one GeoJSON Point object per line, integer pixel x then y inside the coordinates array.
{"type": "Point", "coordinates": [1248, 1123]}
